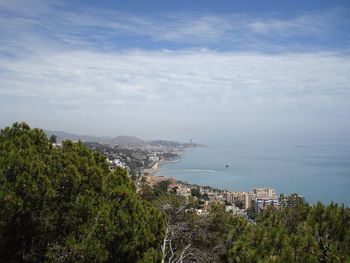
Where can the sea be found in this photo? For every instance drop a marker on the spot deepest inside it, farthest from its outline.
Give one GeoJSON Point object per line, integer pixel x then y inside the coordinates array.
{"type": "Point", "coordinates": [317, 172]}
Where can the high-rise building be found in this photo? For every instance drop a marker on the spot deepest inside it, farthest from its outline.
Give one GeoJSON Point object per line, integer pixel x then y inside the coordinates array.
{"type": "Point", "coordinates": [248, 199]}
{"type": "Point", "coordinates": [263, 198]}
{"type": "Point", "coordinates": [264, 193]}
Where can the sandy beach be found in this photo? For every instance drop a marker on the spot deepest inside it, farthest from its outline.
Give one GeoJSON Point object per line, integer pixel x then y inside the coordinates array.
{"type": "Point", "coordinates": [154, 169]}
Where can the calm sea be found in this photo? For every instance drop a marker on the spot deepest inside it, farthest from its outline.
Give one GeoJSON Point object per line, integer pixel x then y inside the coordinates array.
{"type": "Point", "coordinates": [319, 173]}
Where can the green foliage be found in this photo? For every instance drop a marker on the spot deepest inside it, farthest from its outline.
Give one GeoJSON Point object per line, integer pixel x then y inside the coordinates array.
{"type": "Point", "coordinates": [53, 138]}
{"type": "Point", "coordinates": [211, 233]}
{"type": "Point", "coordinates": [64, 205]}
{"type": "Point", "coordinates": [196, 193]}
{"type": "Point", "coordinates": [199, 238]}
{"type": "Point", "coordinates": [146, 192]}
{"type": "Point", "coordinates": [205, 197]}
{"type": "Point", "coordinates": [161, 188]}
{"type": "Point", "coordinates": [295, 233]}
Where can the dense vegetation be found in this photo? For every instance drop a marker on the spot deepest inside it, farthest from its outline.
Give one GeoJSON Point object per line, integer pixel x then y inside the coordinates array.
{"type": "Point", "coordinates": [297, 232]}
{"type": "Point", "coordinates": [63, 204]}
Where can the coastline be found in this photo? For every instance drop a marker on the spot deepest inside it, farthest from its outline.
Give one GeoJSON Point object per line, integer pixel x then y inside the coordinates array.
{"type": "Point", "coordinates": [242, 175]}
{"type": "Point", "coordinates": [152, 170]}
{"type": "Point", "coordinates": [155, 168]}
{"type": "Point", "coordinates": [302, 170]}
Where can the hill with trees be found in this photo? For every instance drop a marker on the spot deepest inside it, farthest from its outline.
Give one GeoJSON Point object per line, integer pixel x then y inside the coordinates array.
{"type": "Point", "coordinates": [63, 204]}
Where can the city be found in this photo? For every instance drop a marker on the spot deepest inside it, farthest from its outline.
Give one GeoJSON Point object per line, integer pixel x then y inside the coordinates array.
{"type": "Point", "coordinates": [142, 162]}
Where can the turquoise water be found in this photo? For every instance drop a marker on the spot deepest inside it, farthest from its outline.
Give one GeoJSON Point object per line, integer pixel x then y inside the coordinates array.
{"type": "Point", "coordinates": [319, 173]}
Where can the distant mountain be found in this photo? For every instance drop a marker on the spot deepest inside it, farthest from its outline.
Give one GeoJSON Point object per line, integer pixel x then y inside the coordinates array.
{"type": "Point", "coordinates": [119, 140]}
{"type": "Point", "coordinates": [164, 143]}
{"type": "Point", "coordinates": [61, 136]}
{"type": "Point", "coordinates": [127, 140]}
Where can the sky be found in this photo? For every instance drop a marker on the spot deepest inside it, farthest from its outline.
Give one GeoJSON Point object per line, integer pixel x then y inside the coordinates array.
{"type": "Point", "coordinates": [207, 70]}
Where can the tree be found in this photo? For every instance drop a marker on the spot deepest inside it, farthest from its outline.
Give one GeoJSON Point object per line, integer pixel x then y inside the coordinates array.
{"type": "Point", "coordinates": [64, 205]}
{"type": "Point", "coordinates": [195, 238]}
{"type": "Point", "coordinates": [297, 232]}
{"type": "Point", "coordinates": [195, 192]}
{"type": "Point", "coordinates": [176, 246]}
{"type": "Point", "coordinates": [146, 192]}
{"type": "Point", "coordinates": [161, 188]}
{"type": "Point", "coordinates": [53, 138]}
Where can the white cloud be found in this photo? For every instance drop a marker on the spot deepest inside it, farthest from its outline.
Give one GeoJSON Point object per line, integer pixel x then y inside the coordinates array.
{"type": "Point", "coordinates": [171, 88]}
{"type": "Point", "coordinates": [95, 28]}
{"type": "Point", "coordinates": [28, 7]}
{"type": "Point", "coordinates": [185, 77]}
{"type": "Point", "coordinates": [231, 30]}
{"type": "Point", "coordinates": [57, 72]}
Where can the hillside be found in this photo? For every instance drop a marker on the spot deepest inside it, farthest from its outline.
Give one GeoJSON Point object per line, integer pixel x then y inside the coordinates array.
{"type": "Point", "coordinates": [61, 136]}
{"type": "Point", "coordinates": [119, 140]}
{"type": "Point", "coordinates": [126, 140]}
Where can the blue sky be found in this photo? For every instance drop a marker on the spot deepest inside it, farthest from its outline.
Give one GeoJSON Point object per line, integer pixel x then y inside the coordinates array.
{"type": "Point", "coordinates": [178, 69]}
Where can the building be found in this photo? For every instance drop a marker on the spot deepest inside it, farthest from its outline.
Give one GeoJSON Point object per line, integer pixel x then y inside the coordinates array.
{"type": "Point", "coordinates": [261, 204]}
{"type": "Point", "coordinates": [116, 163]}
{"type": "Point", "coordinates": [263, 198]}
{"type": "Point", "coordinates": [264, 192]}
{"type": "Point", "coordinates": [153, 180]}
{"type": "Point", "coordinates": [236, 198]}
{"type": "Point", "coordinates": [179, 189]}
{"type": "Point", "coordinates": [248, 200]}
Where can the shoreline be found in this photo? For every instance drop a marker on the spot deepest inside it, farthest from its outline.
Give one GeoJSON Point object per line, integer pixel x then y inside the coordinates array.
{"type": "Point", "coordinates": [152, 170]}
{"type": "Point", "coordinates": [157, 165]}
{"type": "Point", "coordinates": [156, 170]}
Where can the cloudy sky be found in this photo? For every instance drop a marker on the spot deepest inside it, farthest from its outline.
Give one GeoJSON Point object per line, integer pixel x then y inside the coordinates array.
{"type": "Point", "coordinates": [228, 70]}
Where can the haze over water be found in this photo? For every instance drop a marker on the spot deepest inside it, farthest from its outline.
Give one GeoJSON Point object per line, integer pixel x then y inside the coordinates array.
{"type": "Point", "coordinates": [317, 172]}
